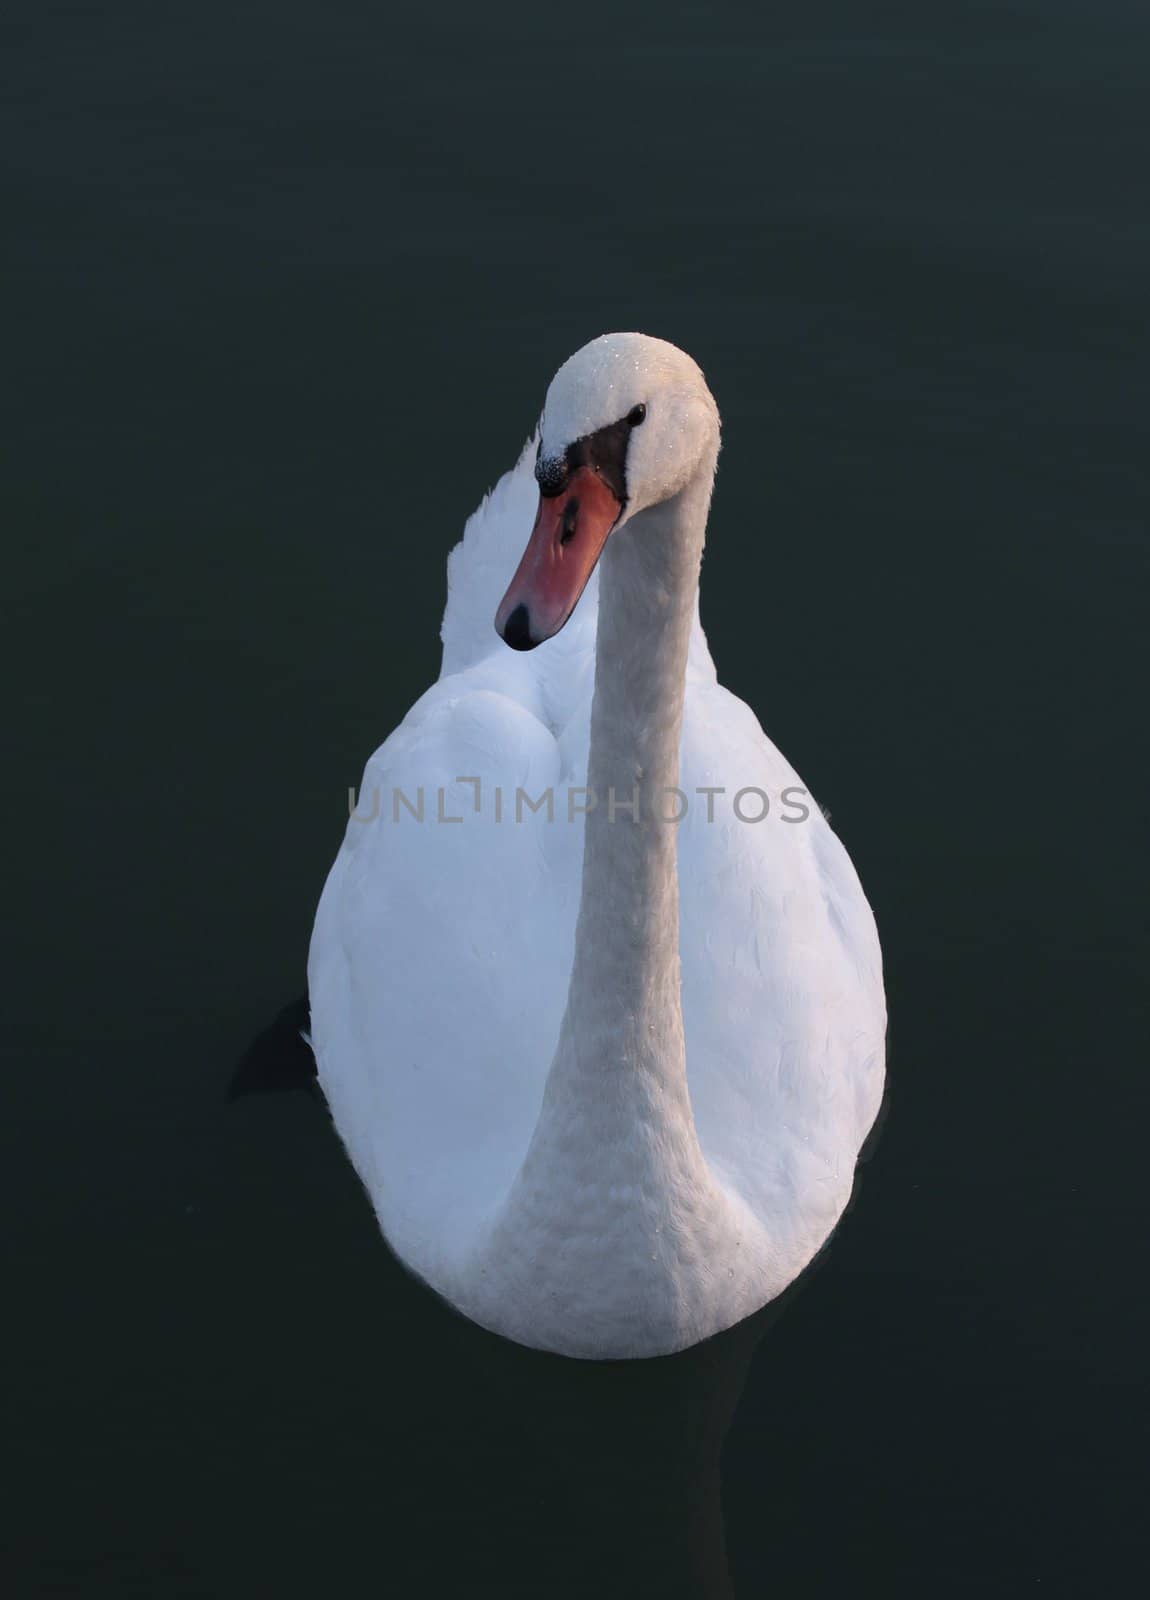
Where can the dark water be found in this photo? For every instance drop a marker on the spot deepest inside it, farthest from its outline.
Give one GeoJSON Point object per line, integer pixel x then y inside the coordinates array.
{"type": "Point", "coordinates": [289, 282]}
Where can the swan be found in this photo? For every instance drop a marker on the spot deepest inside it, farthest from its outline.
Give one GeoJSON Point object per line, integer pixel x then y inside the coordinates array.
{"type": "Point", "coordinates": [596, 995]}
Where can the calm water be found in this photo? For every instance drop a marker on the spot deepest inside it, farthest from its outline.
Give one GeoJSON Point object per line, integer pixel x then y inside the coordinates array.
{"type": "Point", "coordinates": [289, 283]}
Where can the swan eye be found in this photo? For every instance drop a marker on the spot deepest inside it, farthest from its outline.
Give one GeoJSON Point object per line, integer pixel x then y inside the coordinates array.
{"type": "Point", "coordinates": [636, 415]}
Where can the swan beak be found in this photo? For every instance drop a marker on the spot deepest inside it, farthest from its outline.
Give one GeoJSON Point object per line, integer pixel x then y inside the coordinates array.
{"type": "Point", "coordinates": [570, 530]}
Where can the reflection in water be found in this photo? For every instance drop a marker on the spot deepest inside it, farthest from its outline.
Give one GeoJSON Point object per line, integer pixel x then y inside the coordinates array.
{"type": "Point", "coordinates": [623, 1458]}
{"type": "Point", "coordinates": [493, 1467]}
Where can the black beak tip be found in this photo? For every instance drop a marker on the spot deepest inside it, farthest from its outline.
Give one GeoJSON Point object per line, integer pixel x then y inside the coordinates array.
{"type": "Point", "coordinates": [516, 631]}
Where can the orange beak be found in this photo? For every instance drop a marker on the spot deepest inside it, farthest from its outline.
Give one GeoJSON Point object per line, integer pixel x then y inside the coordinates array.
{"type": "Point", "coordinates": [567, 540]}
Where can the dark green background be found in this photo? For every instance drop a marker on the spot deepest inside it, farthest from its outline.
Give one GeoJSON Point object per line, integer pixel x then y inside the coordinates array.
{"type": "Point", "coordinates": [288, 284]}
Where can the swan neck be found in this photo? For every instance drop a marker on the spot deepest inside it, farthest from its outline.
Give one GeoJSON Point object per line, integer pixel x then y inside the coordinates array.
{"type": "Point", "coordinates": [614, 1175]}
{"type": "Point", "coordinates": [623, 1009]}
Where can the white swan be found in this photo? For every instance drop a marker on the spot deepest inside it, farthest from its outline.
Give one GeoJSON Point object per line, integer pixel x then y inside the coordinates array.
{"type": "Point", "coordinates": [605, 1078]}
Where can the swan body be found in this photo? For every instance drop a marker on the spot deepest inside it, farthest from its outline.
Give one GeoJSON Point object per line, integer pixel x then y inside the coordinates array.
{"type": "Point", "coordinates": [604, 1075]}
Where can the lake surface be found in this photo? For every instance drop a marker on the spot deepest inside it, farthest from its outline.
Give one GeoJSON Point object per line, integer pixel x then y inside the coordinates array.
{"type": "Point", "coordinates": [288, 283]}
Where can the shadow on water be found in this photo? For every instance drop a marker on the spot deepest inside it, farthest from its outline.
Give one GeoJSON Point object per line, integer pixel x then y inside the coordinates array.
{"type": "Point", "coordinates": [500, 1469]}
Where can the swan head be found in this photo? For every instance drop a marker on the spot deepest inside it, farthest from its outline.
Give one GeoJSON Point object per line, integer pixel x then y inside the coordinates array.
{"type": "Point", "coordinates": [628, 423]}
